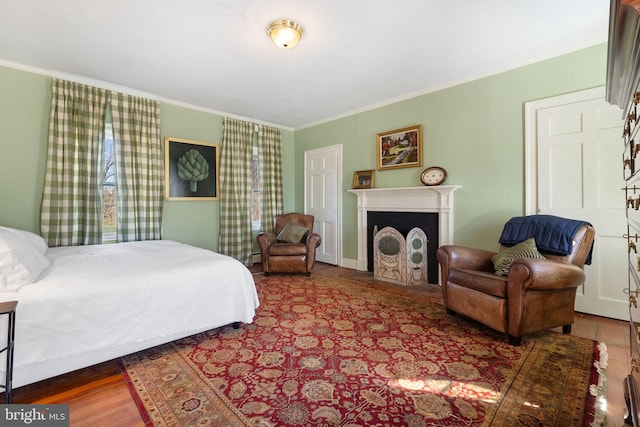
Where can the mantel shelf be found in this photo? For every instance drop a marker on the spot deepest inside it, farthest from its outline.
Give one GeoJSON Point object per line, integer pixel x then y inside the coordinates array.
{"type": "Point", "coordinates": [437, 198]}
{"type": "Point", "coordinates": [408, 190]}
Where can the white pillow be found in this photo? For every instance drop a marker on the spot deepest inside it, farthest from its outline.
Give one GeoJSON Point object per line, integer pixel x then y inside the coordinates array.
{"type": "Point", "coordinates": [30, 238]}
{"type": "Point", "coordinates": [22, 258]}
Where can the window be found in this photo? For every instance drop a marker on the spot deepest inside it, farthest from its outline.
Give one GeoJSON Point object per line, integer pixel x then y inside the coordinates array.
{"type": "Point", "coordinates": [109, 187]}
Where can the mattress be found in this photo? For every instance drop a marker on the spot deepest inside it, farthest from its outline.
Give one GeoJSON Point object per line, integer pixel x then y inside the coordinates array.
{"type": "Point", "coordinates": [95, 303]}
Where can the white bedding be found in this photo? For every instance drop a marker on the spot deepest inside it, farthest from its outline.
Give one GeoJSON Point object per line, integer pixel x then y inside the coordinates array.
{"type": "Point", "coordinates": [95, 303]}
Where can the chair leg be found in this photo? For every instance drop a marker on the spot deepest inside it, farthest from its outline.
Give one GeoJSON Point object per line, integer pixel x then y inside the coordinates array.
{"type": "Point", "coordinates": [566, 329]}
{"type": "Point", "coordinates": [515, 341]}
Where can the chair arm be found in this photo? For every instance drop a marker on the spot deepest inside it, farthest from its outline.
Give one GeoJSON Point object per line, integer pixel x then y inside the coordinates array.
{"type": "Point", "coordinates": [265, 240]}
{"type": "Point", "coordinates": [313, 240]}
{"type": "Point", "coordinates": [544, 274]}
{"type": "Point", "coordinates": [454, 256]}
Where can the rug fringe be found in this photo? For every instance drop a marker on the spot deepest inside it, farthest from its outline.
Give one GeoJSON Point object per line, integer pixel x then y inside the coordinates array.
{"type": "Point", "coordinates": [600, 390]}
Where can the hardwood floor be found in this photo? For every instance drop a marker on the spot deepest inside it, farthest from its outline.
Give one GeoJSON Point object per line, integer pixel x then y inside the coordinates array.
{"type": "Point", "coordinates": [98, 396]}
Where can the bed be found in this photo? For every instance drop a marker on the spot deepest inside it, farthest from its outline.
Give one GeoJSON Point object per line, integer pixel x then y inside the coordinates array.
{"type": "Point", "coordinates": [82, 305]}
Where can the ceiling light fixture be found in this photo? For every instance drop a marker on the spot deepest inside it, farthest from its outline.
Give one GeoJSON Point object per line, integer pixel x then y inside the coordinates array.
{"type": "Point", "coordinates": [285, 33]}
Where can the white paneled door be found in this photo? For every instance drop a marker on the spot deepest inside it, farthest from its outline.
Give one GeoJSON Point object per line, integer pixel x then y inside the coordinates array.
{"type": "Point", "coordinates": [574, 170]}
{"type": "Point", "coordinates": [322, 198]}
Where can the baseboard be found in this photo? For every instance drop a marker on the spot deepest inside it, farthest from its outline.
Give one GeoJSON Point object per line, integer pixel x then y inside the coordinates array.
{"type": "Point", "coordinates": [349, 263]}
{"type": "Point", "coordinates": [344, 262]}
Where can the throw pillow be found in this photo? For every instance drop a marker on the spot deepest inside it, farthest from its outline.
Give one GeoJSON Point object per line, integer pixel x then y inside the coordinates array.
{"type": "Point", "coordinates": [502, 261]}
{"type": "Point", "coordinates": [292, 233]}
{"type": "Point", "coordinates": [22, 258]}
{"type": "Point", "coordinates": [29, 238]}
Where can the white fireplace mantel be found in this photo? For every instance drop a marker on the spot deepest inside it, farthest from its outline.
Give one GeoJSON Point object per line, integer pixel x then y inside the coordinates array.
{"type": "Point", "coordinates": [438, 199]}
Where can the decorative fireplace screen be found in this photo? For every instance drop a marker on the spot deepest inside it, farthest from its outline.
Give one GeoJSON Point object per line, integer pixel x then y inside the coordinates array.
{"type": "Point", "coordinates": [400, 260]}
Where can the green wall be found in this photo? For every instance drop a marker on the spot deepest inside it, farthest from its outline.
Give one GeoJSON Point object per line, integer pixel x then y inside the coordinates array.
{"type": "Point", "coordinates": [474, 130]}
{"type": "Point", "coordinates": [24, 117]}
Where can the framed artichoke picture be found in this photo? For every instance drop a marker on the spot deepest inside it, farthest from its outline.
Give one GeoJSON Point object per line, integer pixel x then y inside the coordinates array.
{"type": "Point", "coordinates": [191, 169]}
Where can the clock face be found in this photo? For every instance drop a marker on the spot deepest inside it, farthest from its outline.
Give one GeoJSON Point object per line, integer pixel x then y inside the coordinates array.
{"type": "Point", "coordinates": [433, 176]}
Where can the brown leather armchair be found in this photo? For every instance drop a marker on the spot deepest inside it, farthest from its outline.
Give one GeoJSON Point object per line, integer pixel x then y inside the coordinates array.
{"type": "Point", "coordinates": [279, 256]}
{"type": "Point", "coordinates": [535, 295]}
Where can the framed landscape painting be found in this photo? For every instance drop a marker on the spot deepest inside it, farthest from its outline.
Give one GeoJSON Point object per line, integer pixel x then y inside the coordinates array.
{"type": "Point", "coordinates": [191, 169]}
{"type": "Point", "coordinates": [400, 148]}
{"type": "Point", "coordinates": [363, 179]}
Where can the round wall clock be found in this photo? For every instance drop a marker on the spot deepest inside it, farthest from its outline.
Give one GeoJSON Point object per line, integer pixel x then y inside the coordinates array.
{"type": "Point", "coordinates": [435, 175]}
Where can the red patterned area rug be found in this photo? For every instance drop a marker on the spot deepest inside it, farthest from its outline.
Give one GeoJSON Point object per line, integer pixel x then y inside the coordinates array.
{"type": "Point", "coordinates": [332, 352]}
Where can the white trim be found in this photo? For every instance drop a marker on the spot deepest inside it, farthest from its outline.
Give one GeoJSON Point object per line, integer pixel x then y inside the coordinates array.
{"type": "Point", "coordinates": [531, 110]}
{"type": "Point", "coordinates": [437, 199]}
{"type": "Point", "coordinates": [129, 91]}
{"type": "Point", "coordinates": [510, 67]}
{"type": "Point", "coordinates": [349, 263]}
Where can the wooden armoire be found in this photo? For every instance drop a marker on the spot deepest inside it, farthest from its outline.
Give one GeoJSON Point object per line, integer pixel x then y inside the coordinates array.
{"type": "Point", "coordinates": [623, 90]}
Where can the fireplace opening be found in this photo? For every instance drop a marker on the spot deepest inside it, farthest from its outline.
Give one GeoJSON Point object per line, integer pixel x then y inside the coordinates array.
{"type": "Point", "coordinates": [404, 222]}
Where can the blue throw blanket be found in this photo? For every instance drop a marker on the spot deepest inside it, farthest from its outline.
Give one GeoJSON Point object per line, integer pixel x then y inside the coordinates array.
{"type": "Point", "coordinates": [553, 234]}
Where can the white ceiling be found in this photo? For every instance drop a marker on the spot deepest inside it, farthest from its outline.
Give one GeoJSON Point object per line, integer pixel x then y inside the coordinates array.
{"type": "Point", "coordinates": [354, 55]}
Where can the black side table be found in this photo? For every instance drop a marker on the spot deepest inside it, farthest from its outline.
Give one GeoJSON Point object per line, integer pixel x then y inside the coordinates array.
{"type": "Point", "coordinates": [9, 308]}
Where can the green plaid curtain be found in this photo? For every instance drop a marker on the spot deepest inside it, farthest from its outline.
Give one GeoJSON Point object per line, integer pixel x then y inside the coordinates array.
{"type": "Point", "coordinates": [270, 160]}
{"type": "Point", "coordinates": [139, 167]}
{"type": "Point", "coordinates": [236, 155]}
{"type": "Point", "coordinates": [71, 211]}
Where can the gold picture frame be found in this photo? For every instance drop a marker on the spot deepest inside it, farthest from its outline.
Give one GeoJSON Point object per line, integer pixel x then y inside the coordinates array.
{"type": "Point", "coordinates": [400, 148]}
{"type": "Point", "coordinates": [363, 179]}
{"type": "Point", "coordinates": [184, 159]}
